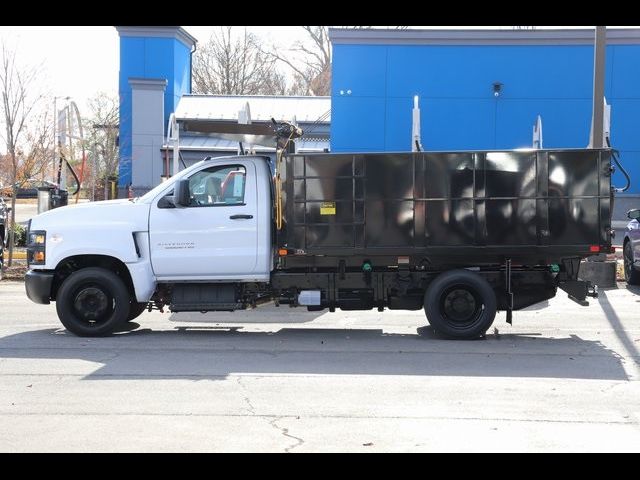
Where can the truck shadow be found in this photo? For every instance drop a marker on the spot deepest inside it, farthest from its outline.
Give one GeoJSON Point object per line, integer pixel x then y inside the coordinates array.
{"type": "Point", "coordinates": [633, 288]}
{"type": "Point", "coordinates": [213, 352]}
{"type": "Point", "coordinates": [628, 344]}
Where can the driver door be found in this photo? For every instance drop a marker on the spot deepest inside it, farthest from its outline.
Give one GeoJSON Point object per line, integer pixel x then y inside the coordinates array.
{"type": "Point", "coordinates": [215, 237]}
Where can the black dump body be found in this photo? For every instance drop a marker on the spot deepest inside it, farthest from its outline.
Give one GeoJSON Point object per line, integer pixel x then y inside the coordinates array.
{"type": "Point", "coordinates": [469, 208]}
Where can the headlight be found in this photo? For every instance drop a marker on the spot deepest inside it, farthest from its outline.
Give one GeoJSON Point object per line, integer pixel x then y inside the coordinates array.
{"type": "Point", "coordinates": [36, 247]}
{"type": "Point", "coordinates": [37, 238]}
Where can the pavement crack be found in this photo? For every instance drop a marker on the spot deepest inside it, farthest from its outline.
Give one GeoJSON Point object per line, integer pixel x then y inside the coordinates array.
{"type": "Point", "coordinates": [107, 358]}
{"type": "Point", "coordinates": [245, 397]}
{"type": "Point", "coordinates": [285, 431]}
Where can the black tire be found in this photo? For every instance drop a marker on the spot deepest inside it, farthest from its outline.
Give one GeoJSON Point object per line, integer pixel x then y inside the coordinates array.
{"type": "Point", "coordinates": [135, 310]}
{"type": "Point", "coordinates": [631, 275]}
{"type": "Point", "coordinates": [93, 302]}
{"type": "Point", "coordinates": [460, 304]}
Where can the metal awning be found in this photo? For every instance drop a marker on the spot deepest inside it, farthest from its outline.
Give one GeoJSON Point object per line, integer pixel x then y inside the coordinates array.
{"type": "Point", "coordinates": [205, 143]}
{"type": "Point", "coordinates": [247, 118]}
{"type": "Point", "coordinates": [263, 108]}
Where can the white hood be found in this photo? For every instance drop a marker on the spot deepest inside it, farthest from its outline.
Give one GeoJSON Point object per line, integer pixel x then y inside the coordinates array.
{"type": "Point", "coordinates": [103, 228]}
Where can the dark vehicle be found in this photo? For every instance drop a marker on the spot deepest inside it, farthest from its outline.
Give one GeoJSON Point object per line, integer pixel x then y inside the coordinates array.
{"type": "Point", "coordinates": [30, 189]}
{"type": "Point", "coordinates": [27, 190]}
{"type": "Point", "coordinates": [631, 248]}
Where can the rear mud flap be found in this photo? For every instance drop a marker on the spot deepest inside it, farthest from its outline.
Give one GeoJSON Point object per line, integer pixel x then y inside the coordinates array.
{"type": "Point", "coordinates": [579, 290]}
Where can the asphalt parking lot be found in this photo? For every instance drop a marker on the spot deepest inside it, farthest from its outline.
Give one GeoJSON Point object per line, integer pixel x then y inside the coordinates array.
{"type": "Point", "coordinates": [563, 378]}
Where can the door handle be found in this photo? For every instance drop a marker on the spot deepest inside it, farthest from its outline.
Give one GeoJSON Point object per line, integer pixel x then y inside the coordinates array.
{"type": "Point", "coordinates": [240, 217]}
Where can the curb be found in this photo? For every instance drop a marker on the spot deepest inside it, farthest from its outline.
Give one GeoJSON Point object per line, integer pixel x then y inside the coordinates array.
{"type": "Point", "coordinates": [16, 255]}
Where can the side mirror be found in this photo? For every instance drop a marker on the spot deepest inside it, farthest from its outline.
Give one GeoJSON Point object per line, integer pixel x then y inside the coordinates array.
{"type": "Point", "coordinates": [181, 196]}
{"type": "Point", "coordinates": [166, 202]}
{"type": "Point", "coordinates": [634, 214]}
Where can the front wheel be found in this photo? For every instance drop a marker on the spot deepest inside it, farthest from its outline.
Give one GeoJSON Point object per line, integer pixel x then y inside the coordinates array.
{"type": "Point", "coordinates": [460, 304]}
{"type": "Point", "coordinates": [93, 302]}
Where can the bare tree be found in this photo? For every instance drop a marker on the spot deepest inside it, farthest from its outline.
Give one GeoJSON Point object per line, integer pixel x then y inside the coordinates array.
{"type": "Point", "coordinates": [310, 60]}
{"type": "Point", "coordinates": [35, 157]}
{"type": "Point", "coordinates": [101, 135]}
{"type": "Point", "coordinates": [232, 65]}
{"type": "Point", "coordinates": [18, 102]}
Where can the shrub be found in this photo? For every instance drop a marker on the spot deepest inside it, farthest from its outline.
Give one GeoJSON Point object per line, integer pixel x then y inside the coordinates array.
{"type": "Point", "coordinates": [19, 235]}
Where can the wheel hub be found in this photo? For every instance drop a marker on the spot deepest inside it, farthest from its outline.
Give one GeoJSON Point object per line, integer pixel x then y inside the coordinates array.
{"type": "Point", "coordinates": [460, 305]}
{"type": "Point", "coordinates": [91, 303]}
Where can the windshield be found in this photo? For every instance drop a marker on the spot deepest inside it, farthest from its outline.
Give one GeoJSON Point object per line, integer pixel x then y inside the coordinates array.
{"type": "Point", "coordinates": [151, 194]}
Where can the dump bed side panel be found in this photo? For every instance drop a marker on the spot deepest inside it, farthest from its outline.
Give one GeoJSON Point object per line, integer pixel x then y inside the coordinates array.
{"type": "Point", "coordinates": [477, 206]}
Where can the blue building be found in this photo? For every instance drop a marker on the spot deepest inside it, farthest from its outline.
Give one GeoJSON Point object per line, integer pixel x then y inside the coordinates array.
{"type": "Point", "coordinates": [155, 71]}
{"type": "Point", "coordinates": [155, 82]}
{"type": "Point", "coordinates": [478, 89]}
{"type": "Point", "coordinates": [482, 89]}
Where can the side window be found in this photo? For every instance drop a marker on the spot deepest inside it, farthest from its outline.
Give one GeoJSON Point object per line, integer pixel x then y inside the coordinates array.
{"type": "Point", "coordinates": [218, 186]}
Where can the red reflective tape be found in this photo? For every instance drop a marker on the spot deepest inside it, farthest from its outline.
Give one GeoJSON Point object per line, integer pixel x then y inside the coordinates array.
{"type": "Point", "coordinates": [594, 248]}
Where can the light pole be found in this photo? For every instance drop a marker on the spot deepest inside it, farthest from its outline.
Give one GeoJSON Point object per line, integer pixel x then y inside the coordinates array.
{"type": "Point", "coordinates": [56, 143]}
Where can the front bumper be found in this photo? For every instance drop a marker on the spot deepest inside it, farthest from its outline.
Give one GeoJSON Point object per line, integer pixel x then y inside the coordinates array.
{"type": "Point", "coordinates": [38, 286]}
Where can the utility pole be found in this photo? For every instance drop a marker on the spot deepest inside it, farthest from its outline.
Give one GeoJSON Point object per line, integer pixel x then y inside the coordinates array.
{"type": "Point", "coordinates": [55, 139]}
{"type": "Point", "coordinates": [597, 119]}
{"type": "Point", "coordinates": [57, 131]}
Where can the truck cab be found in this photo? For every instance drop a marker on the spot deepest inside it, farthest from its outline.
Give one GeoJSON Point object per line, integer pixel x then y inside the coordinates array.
{"type": "Point", "coordinates": [210, 223]}
{"type": "Point", "coordinates": [221, 231]}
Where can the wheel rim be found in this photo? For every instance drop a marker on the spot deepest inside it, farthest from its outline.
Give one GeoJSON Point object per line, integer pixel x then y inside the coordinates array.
{"type": "Point", "coordinates": [628, 262]}
{"type": "Point", "coordinates": [461, 306]}
{"type": "Point", "coordinates": [92, 304]}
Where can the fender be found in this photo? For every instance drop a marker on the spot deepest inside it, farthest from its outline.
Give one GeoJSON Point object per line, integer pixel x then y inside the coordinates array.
{"type": "Point", "coordinates": [116, 228]}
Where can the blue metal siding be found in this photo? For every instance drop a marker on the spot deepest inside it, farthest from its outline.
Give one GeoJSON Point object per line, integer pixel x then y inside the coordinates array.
{"type": "Point", "coordinates": [362, 70]}
{"type": "Point", "coordinates": [467, 123]}
{"type": "Point", "coordinates": [132, 52]}
{"type": "Point", "coordinates": [626, 71]}
{"type": "Point", "coordinates": [356, 136]}
{"type": "Point", "coordinates": [157, 58]}
{"type": "Point", "coordinates": [458, 108]}
{"type": "Point", "coordinates": [565, 123]}
{"type": "Point", "coordinates": [181, 69]}
{"type": "Point", "coordinates": [625, 123]}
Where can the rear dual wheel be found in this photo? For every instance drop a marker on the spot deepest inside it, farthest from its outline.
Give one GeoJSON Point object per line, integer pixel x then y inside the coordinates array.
{"type": "Point", "coordinates": [460, 304]}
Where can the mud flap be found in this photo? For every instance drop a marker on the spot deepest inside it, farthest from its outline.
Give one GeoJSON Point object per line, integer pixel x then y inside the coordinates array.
{"type": "Point", "coordinates": [579, 290]}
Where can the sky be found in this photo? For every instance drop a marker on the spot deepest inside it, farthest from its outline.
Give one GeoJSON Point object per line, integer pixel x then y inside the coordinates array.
{"type": "Point", "coordinates": [81, 61]}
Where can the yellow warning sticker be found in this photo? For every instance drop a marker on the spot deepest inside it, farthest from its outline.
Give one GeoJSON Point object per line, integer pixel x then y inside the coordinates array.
{"type": "Point", "coordinates": [328, 208]}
